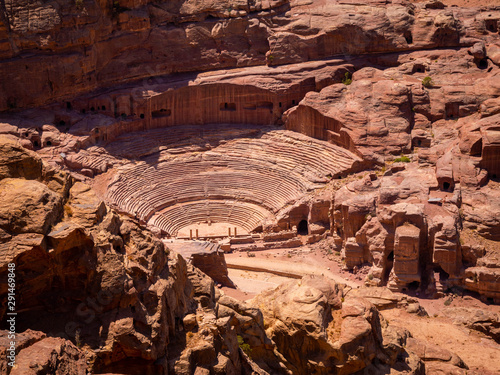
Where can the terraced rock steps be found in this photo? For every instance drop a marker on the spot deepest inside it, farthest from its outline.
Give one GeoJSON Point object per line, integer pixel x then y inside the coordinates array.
{"type": "Point", "coordinates": [242, 181]}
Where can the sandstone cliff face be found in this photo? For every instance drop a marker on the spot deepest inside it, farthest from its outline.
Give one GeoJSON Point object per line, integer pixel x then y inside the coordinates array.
{"type": "Point", "coordinates": [122, 41]}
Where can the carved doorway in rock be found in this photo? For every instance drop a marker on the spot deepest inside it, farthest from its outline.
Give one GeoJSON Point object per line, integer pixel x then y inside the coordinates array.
{"type": "Point", "coordinates": [302, 228]}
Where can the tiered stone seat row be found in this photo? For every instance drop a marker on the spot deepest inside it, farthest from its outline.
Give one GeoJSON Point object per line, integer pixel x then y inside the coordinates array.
{"type": "Point", "coordinates": [259, 175]}
{"type": "Point", "coordinates": [137, 144]}
{"type": "Point", "coordinates": [270, 190]}
{"type": "Point", "coordinates": [247, 216]}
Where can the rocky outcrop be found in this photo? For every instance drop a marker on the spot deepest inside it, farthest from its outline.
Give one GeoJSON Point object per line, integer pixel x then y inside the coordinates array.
{"type": "Point", "coordinates": [437, 360]}
{"type": "Point", "coordinates": [174, 113]}
{"type": "Point", "coordinates": [38, 354]}
{"type": "Point", "coordinates": [315, 332]}
{"type": "Point", "coordinates": [104, 294]}
{"type": "Point", "coordinates": [382, 112]}
{"type": "Point", "coordinates": [206, 256]}
{"type": "Point", "coordinates": [403, 241]}
{"type": "Point", "coordinates": [484, 280]}
{"type": "Point", "coordinates": [480, 320]}
{"type": "Point", "coordinates": [16, 161]}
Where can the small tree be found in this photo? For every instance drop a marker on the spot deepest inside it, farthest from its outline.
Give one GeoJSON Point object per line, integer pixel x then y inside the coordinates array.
{"type": "Point", "coordinates": [347, 80]}
{"type": "Point", "coordinates": [244, 346]}
{"type": "Point", "coordinates": [427, 82]}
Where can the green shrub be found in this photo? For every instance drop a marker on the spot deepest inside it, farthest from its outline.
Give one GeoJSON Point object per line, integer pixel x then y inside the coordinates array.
{"type": "Point", "coordinates": [79, 4]}
{"type": "Point", "coordinates": [402, 159]}
{"type": "Point", "coordinates": [244, 346]}
{"type": "Point", "coordinates": [427, 82]}
{"type": "Point", "coordinates": [347, 80]}
{"type": "Point", "coordinates": [447, 302]}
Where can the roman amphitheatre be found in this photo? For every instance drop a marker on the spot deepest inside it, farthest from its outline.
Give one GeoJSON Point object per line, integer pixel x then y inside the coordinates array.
{"type": "Point", "coordinates": [250, 187]}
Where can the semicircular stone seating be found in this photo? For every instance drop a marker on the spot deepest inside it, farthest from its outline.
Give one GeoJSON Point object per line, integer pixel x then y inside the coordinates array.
{"type": "Point", "coordinates": [243, 181]}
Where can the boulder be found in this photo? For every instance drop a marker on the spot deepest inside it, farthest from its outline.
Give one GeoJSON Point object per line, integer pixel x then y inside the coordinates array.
{"type": "Point", "coordinates": [29, 206]}
{"type": "Point", "coordinates": [18, 162]}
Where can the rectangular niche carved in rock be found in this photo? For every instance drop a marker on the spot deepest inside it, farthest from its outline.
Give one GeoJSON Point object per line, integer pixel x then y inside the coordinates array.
{"type": "Point", "coordinates": [161, 113]}
{"type": "Point", "coordinates": [228, 106]}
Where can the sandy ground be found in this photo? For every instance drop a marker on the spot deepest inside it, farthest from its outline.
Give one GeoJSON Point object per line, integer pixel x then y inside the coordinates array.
{"type": "Point", "coordinates": [298, 261]}
{"type": "Point", "coordinates": [251, 283]}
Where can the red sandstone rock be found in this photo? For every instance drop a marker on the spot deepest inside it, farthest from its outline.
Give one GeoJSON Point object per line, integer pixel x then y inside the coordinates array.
{"type": "Point", "coordinates": [111, 69]}
{"type": "Point", "coordinates": [51, 355]}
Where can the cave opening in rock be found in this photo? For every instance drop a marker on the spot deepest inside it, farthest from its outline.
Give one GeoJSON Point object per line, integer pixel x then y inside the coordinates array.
{"type": "Point", "coordinates": [418, 68]}
{"type": "Point", "coordinates": [482, 64]}
{"type": "Point", "coordinates": [36, 144]}
{"type": "Point", "coordinates": [409, 37]}
{"type": "Point", "coordinates": [477, 148]}
{"type": "Point", "coordinates": [442, 274]}
{"type": "Point", "coordinates": [452, 110]}
{"type": "Point", "coordinates": [446, 186]}
{"type": "Point", "coordinates": [302, 228]}
{"type": "Point", "coordinates": [491, 25]}
{"type": "Point", "coordinates": [68, 105]}
{"type": "Point", "coordinates": [388, 267]}
{"type": "Point", "coordinates": [49, 143]}
{"type": "Point", "coordinates": [414, 285]}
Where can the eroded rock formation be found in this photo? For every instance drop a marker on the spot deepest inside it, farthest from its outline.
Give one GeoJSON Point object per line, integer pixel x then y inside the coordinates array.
{"type": "Point", "coordinates": [257, 125]}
